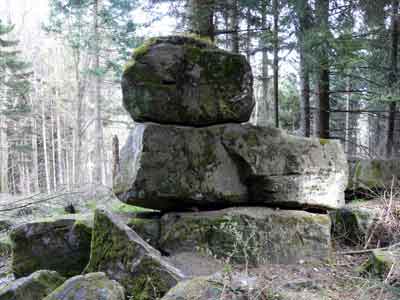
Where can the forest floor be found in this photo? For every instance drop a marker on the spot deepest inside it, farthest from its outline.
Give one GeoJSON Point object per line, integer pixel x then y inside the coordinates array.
{"type": "Point", "coordinates": [334, 280]}
{"type": "Point", "coordinates": [338, 280]}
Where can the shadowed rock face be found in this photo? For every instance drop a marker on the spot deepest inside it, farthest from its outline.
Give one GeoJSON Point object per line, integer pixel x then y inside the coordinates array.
{"type": "Point", "coordinates": [180, 168]}
{"type": "Point", "coordinates": [182, 80]}
{"type": "Point", "coordinates": [62, 245]}
{"type": "Point", "coordinates": [120, 253]}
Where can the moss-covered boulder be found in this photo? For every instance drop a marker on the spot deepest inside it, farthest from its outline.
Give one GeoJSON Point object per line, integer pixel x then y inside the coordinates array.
{"type": "Point", "coordinates": [373, 174]}
{"type": "Point", "coordinates": [233, 286]}
{"type": "Point", "coordinates": [172, 168]}
{"type": "Point", "coordinates": [384, 264]}
{"type": "Point", "coordinates": [186, 81]}
{"type": "Point", "coordinates": [119, 252]}
{"type": "Point", "coordinates": [62, 245]}
{"type": "Point", "coordinates": [34, 287]}
{"type": "Point", "coordinates": [255, 235]}
{"type": "Point", "coordinates": [353, 223]}
{"type": "Point", "coordinates": [94, 286]}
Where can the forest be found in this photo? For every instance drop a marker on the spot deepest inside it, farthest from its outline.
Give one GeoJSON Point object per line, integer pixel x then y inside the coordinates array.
{"type": "Point", "coordinates": [327, 70]}
{"type": "Point", "coordinates": [199, 149]}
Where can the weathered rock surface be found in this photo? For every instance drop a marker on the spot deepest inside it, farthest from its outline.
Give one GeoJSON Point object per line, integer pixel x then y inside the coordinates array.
{"type": "Point", "coordinates": [256, 235]}
{"type": "Point", "coordinates": [34, 287]}
{"type": "Point", "coordinates": [149, 229]}
{"type": "Point", "coordinates": [370, 174]}
{"type": "Point", "coordinates": [94, 286]}
{"type": "Point", "coordinates": [62, 245]}
{"type": "Point", "coordinates": [175, 168]}
{"type": "Point", "coordinates": [353, 223]}
{"type": "Point", "coordinates": [119, 252]}
{"type": "Point", "coordinates": [215, 287]}
{"type": "Point", "coordinates": [183, 80]}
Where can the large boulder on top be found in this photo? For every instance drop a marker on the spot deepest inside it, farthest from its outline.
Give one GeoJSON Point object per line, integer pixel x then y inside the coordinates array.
{"type": "Point", "coordinates": [34, 287]}
{"type": "Point", "coordinates": [62, 245]}
{"type": "Point", "coordinates": [254, 235]}
{"type": "Point", "coordinates": [172, 168]}
{"type": "Point", "coordinates": [187, 81]}
{"type": "Point", "coordinates": [94, 286]}
{"type": "Point", "coordinates": [119, 252]}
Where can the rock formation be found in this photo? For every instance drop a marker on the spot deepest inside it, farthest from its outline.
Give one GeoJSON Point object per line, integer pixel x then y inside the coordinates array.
{"type": "Point", "coordinates": [197, 155]}
{"type": "Point", "coordinates": [226, 192]}
{"type": "Point", "coordinates": [170, 168]}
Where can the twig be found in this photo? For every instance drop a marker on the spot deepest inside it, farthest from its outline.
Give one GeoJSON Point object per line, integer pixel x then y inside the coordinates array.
{"type": "Point", "coordinates": [36, 202]}
{"type": "Point", "coordinates": [367, 250]}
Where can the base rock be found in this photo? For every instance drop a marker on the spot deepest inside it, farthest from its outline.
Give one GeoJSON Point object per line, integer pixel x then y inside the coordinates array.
{"type": "Point", "coordinates": [255, 235]}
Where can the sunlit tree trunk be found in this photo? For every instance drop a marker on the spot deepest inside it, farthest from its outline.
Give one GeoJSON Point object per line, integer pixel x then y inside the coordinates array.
{"type": "Point", "coordinates": [45, 151]}
{"type": "Point", "coordinates": [99, 159]}
{"type": "Point", "coordinates": [4, 187]}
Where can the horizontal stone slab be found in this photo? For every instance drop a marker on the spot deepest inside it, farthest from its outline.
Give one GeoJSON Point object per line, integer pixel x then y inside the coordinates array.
{"type": "Point", "coordinates": [172, 168]}
{"type": "Point", "coordinates": [255, 235]}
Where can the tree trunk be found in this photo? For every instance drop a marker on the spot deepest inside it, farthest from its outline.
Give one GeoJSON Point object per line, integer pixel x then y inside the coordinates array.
{"type": "Point", "coordinates": [201, 18]}
{"type": "Point", "coordinates": [248, 35]}
{"type": "Point", "coordinates": [393, 77]}
{"type": "Point", "coordinates": [53, 146]}
{"type": "Point", "coordinates": [347, 141]}
{"type": "Point", "coordinates": [263, 105]}
{"type": "Point", "coordinates": [35, 157]}
{"type": "Point", "coordinates": [275, 10]}
{"type": "Point", "coordinates": [77, 134]}
{"type": "Point", "coordinates": [234, 25]}
{"type": "Point", "coordinates": [116, 163]}
{"type": "Point", "coordinates": [305, 23]}
{"type": "Point", "coordinates": [45, 152]}
{"type": "Point", "coordinates": [59, 144]}
{"type": "Point", "coordinates": [98, 178]}
{"type": "Point", "coordinates": [3, 156]}
{"type": "Point", "coordinates": [322, 13]}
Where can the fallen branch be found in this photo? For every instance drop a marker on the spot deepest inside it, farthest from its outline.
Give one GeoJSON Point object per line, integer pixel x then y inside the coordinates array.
{"type": "Point", "coordinates": [364, 251]}
{"type": "Point", "coordinates": [36, 202]}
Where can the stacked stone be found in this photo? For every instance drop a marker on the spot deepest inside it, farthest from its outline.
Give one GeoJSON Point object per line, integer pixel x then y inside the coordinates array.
{"type": "Point", "coordinates": [190, 151]}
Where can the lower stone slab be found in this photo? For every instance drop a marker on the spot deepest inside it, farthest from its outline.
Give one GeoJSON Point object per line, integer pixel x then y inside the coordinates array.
{"type": "Point", "coordinates": [254, 235]}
